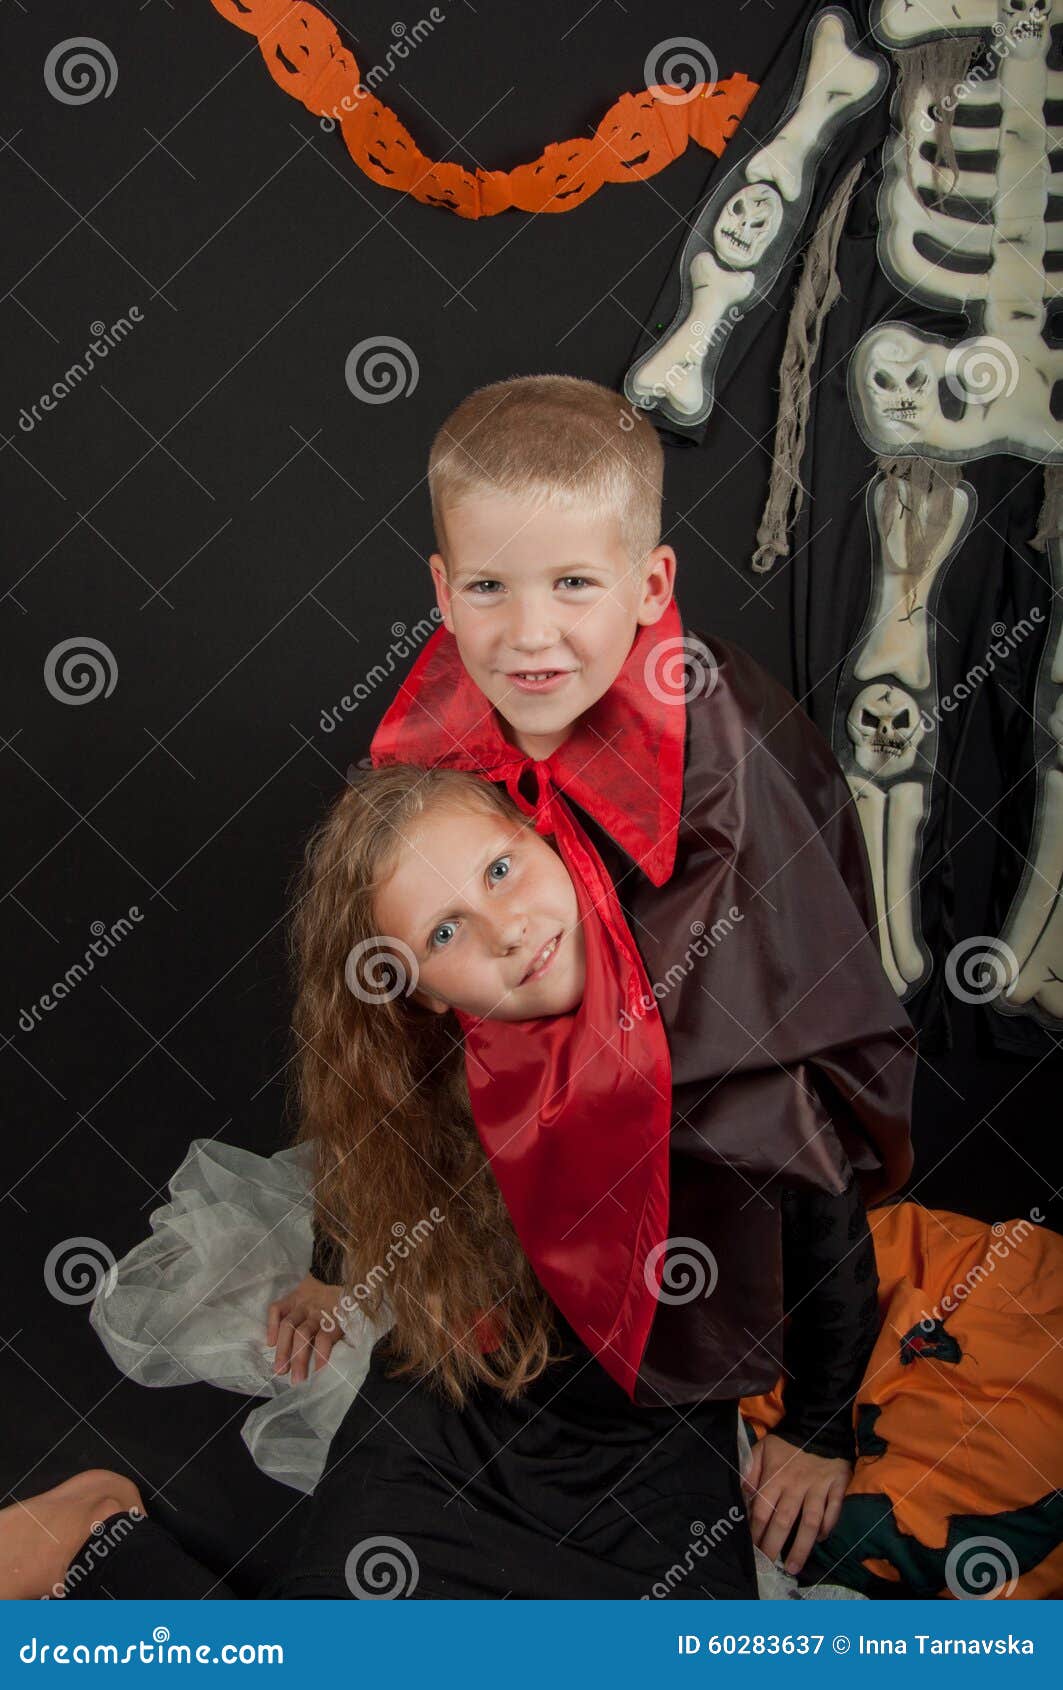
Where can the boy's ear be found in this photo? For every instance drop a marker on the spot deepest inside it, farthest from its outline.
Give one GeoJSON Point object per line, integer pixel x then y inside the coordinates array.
{"type": "Point", "coordinates": [442, 587]}
{"type": "Point", "coordinates": [658, 585]}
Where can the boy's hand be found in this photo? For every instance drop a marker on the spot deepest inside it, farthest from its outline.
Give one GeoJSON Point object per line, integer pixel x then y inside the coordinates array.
{"type": "Point", "coordinates": [302, 1324]}
{"type": "Point", "coordinates": [785, 1484]}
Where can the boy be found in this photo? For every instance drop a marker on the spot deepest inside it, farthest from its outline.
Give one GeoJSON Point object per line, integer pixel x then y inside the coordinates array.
{"type": "Point", "coordinates": [722, 821]}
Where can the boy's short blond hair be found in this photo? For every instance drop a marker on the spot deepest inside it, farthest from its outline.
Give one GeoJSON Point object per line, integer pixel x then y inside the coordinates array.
{"type": "Point", "coordinates": [561, 439]}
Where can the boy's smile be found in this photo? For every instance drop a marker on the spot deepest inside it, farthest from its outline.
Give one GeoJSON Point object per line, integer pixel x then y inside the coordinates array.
{"type": "Point", "coordinates": [544, 604]}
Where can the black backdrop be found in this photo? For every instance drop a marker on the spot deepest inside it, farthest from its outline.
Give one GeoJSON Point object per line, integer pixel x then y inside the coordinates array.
{"type": "Point", "coordinates": [215, 506]}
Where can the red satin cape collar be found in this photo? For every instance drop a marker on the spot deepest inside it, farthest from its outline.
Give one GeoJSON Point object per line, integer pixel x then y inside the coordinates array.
{"type": "Point", "coordinates": [574, 1111]}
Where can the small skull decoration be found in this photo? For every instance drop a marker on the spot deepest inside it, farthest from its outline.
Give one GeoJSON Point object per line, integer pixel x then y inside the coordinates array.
{"type": "Point", "coordinates": [900, 385]}
{"type": "Point", "coordinates": [1024, 24]}
{"type": "Point", "coordinates": [886, 730]}
{"type": "Point", "coordinates": [747, 225]}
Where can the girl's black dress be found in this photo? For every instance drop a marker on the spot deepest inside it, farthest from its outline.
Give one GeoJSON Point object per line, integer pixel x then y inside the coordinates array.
{"type": "Point", "coordinates": [571, 1490]}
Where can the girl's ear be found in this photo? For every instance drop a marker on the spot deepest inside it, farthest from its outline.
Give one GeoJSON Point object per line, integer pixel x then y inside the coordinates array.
{"type": "Point", "coordinates": [427, 1001]}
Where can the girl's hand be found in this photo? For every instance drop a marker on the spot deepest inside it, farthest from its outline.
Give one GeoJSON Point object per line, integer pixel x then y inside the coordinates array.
{"type": "Point", "coordinates": [302, 1324]}
{"type": "Point", "coordinates": [785, 1484]}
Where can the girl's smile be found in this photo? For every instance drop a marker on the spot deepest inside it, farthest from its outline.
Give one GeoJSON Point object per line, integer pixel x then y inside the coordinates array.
{"type": "Point", "coordinates": [488, 910]}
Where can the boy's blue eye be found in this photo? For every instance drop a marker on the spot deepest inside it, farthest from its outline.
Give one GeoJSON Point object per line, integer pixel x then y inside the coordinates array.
{"type": "Point", "coordinates": [575, 581]}
{"type": "Point", "coordinates": [442, 935]}
{"type": "Point", "coordinates": [503, 864]}
{"type": "Point", "coordinates": [475, 585]}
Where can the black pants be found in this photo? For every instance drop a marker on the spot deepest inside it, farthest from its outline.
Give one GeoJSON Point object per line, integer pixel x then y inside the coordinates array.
{"type": "Point", "coordinates": [567, 1492]}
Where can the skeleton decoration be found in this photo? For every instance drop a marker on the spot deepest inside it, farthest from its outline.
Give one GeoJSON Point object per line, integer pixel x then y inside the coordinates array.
{"type": "Point", "coordinates": [974, 239]}
{"type": "Point", "coordinates": [750, 222]}
{"type": "Point", "coordinates": [963, 179]}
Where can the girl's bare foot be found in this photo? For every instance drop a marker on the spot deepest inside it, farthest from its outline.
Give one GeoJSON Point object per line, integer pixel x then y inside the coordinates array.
{"type": "Point", "coordinates": [41, 1536]}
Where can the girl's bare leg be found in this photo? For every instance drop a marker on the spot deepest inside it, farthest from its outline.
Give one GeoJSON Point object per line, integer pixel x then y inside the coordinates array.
{"type": "Point", "coordinates": [41, 1536]}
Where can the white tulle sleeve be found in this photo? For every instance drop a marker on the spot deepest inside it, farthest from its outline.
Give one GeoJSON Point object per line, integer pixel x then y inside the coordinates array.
{"type": "Point", "coordinates": [189, 1302]}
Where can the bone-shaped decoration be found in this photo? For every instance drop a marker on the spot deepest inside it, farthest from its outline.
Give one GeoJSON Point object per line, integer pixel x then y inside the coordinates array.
{"type": "Point", "coordinates": [890, 822]}
{"type": "Point", "coordinates": [897, 641]}
{"type": "Point", "coordinates": [749, 223]}
{"type": "Point", "coordinates": [836, 78]}
{"type": "Point", "coordinates": [675, 370]}
{"type": "Point", "coordinates": [901, 23]}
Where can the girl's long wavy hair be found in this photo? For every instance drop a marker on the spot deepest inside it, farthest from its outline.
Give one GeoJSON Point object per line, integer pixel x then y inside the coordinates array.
{"type": "Point", "coordinates": [377, 1086]}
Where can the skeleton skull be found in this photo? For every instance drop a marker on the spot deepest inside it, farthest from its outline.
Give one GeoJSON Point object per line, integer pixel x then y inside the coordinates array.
{"type": "Point", "coordinates": [748, 223]}
{"type": "Point", "coordinates": [899, 385]}
{"type": "Point", "coordinates": [1022, 26]}
{"type": "Point", "coordinates": [885, 728]}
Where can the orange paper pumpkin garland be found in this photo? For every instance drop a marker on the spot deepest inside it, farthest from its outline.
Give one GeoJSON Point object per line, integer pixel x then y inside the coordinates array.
{"type": "Point", "coordinates": [637, 137]}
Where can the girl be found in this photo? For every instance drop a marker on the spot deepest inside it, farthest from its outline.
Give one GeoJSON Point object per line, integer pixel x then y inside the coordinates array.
{"type": "Point", "coordinates": [487, 1453]}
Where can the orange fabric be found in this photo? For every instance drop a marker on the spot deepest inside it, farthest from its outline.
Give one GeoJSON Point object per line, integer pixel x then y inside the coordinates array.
{"type": "Point", "coordinates": [638, 136]}
{"type": "Point", "coordinates": [974, 1436]}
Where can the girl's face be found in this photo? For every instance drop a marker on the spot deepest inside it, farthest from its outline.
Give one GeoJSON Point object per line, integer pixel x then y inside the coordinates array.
{"type": "Point", "coordinates": [489, 911]}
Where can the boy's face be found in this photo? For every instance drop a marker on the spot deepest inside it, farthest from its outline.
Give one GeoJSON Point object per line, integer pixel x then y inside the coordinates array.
{"type": "Point", "coordinates": [544, 605]}
{"type": "Point", "coordinates": [490, 913]}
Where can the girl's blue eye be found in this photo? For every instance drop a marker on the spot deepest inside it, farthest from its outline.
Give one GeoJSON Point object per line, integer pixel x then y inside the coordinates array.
{"type": "Point", "coordinates": [503, 864]}
{"type": "Point", "coordinates": [442, 935]}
